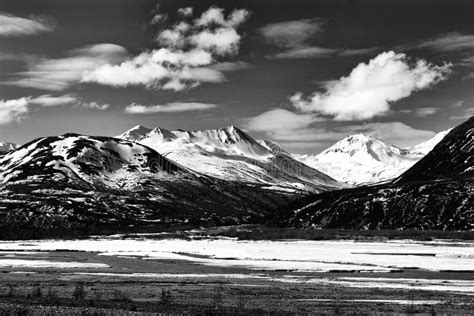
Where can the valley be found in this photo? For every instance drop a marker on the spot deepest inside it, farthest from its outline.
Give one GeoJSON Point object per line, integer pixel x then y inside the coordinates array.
{"type": "Point", "coordinates": [202, 273]}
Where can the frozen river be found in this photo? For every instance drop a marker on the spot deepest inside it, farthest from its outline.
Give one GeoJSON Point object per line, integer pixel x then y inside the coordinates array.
{"type": "Point", "coordinates": [300, 255]}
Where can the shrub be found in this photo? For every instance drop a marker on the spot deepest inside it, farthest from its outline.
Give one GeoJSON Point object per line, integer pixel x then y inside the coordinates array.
{"type": "Point", "coordinates": [79, 293]}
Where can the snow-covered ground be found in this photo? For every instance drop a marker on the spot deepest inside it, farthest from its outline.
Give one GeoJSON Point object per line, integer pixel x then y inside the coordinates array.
{"type": "Point", "coordinates": [26, 263]}
{"type": "Point", "coordinates": [300, 256]}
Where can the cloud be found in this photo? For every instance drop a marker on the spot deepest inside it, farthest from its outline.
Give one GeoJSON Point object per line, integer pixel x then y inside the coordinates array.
{"type": "Point", "coordinates": [169, 107]}
{"type": "Point", "coordinates": [13, 110]}
{"type": "Point", "coordinates": [304, 133]}
{"type": "Point", "coordinates": [158, 17]}
{"type": "Point", "coordinates": [185, 12]}
{"type": "Point", "coordinates": [305, 52]}
{"type": "Point", "coordinates": [449, 42]}
{"type": "Point", "coordinates": [95, 105]}
{"type": "Point", "coordinates": [291, 33]}
{"type": "Point", "coordinates": [371, 87]}
{"type": "Point", "coordinates": [17, 109]}
{"type": "Point", "coordinates": [421, 112]}
{"type": "Point", "coordinates": [190, 53]}
{"type": "Point", "coordinates": [464, 114]}
{"type": "Point", "coordinates": [49, 100]}
{"type": "Point", "coordinates": [297, 38]}
{"type": "Point", "coordinates": [11, 25]}
{"type": "Point", "coordinates": [458, 104]}
{"type": "Point", "coordinates": [227, 66]}
{"type": "Point", "coordinates": [276, 119]}
{"type": "Point", "coordinates": [60, 73]}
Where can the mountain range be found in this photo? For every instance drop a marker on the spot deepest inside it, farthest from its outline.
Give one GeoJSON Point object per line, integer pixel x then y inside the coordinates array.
{"type": "Point", "coordinates": [437, 192]}
{"type": "Point", "coordinates": [156, 176]}
{"type": "Point", "coordinates": [77, 182]}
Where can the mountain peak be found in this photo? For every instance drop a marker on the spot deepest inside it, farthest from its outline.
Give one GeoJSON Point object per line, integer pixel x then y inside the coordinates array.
{"type": "Point", "coordinates": [135, 133]}
{"type": "Point", "coordinates": [6, 147]}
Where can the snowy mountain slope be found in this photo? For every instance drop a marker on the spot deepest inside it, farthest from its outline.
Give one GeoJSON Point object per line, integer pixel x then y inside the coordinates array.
{"type": "Point", "coordinates": [436, 193]}
{"type": "Point", "coordinates": [98, 161]}
{"type": "Point", "coordinates": [80, 181]}
{"type": "Point", "coordinates": [232, 155]}
{"type": "Point", "coordinates": [359, 158]}
{"type": "Point", "coordinates": [6, 147]}
{"type": "Point", "coordinates": [425, 147]}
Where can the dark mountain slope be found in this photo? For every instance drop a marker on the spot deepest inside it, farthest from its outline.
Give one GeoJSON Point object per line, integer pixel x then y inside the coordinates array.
{"type": "Point", "coordinates": [451, 158]}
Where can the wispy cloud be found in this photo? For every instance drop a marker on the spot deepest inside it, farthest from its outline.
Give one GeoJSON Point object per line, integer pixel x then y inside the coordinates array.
{"type": "Point", "coordinates": [297, 39]}
{"type": "Point", "coordinates": [449, 42]}
{"type": "Point", "coordinates": [17, 109]}
{"type": "Point", "coordinates": [463, 114]}
{"type": "Point", "coordinates": [422, 112]}
{"type": "Point", "coordinates": [277, 119]}
{"type": "Point", "coordinates": [60, 73]}
{"type": "Point", "coordinates": [49, 100]}
{"type": "Point", "coordinates": [95, 105]}
{"type": "Point", "coordinates": [13, 110]}
{"type": "Point", "coordinates": [305, 52]}
{"type": "Point", "coordinates": [189, 50]}
{"type": "Point", "coordinates": [169, 107]}
{"type": "Point", "coordinates": [370, 88]}
{"type": "Point", "coordinates": [11, 25]}
{"type": "Point", "coordinates": [292, 34]}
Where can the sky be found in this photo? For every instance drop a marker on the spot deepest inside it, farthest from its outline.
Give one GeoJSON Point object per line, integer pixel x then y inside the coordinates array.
{"type": "Point", "coordinates": [302, 73]}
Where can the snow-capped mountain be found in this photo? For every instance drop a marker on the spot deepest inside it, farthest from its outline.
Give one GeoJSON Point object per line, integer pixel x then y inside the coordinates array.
{"type": "Point", "coordinates": [6, 147]}
{"type": "Point", "coordinates": [80, 181]}
{"type": "Point", "coordinates": [359, 158]}
{"type": "Point", "coordinates": [425, 147]}
{"type": "Point", "coordinates": [232, 155]}
{"type": "Point", "coordinates": [363, 159]}
{"type": "Point", "coordinates": [97, 161]}
{"type": "Point", "coordinates": [436, 193]}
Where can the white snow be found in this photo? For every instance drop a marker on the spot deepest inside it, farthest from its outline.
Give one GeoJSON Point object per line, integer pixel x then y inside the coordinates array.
{"type": "Point", "coordinates": [313, 256]}
{"type": "Point", "coordinates": [425, 147]}
{"type": "Point", "coordinates": [359, 159]}
{"type": "Point", "coordinates": [6, 147]}
{"type": "Point", "coordinates": [230, 154]}
{"type": "Point", "coordinates": [24, 263]}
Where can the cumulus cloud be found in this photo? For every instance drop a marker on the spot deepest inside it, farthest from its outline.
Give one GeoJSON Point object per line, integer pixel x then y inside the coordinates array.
{"type": "Point", "coordinates": [169, 107]}
{"type": "Point", "coordinates": [187, 11]}
{"type": "Point", "coordinates": [371, 87]}
{"type": "Point", "coordinates": [13, 110]}
{"type": "Point", "coordinates": [11, 25]}
{"type": "Point", "coordinates": [60, 73]}
{"type": "Point", "coordinates": [189, 51]}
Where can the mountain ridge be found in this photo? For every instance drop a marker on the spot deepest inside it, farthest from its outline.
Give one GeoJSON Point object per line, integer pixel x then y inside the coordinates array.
{"type": "Point", "coordinates": [231, 154]}
{"type": "Point", "coordinates": [436, 193]}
